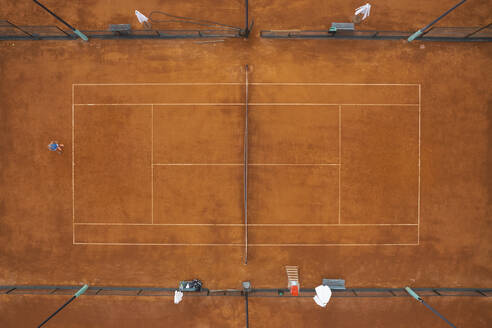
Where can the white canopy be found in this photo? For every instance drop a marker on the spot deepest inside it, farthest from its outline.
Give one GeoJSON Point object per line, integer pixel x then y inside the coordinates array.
{"type": "Point", "coordinates": [141, 18]}
{"type": "Point", "coordinates": [364, 10]}
{"type": "Point", "coordinates": [323, 295]}
{"type": "Point", "coordinates": [178, 296]}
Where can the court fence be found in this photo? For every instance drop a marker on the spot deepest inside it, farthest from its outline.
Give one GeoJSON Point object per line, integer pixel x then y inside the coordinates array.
{"type": "Point", "coordinates": [275, 292]}
{"type": "Point", "coordinates": [457, 34]}
{"type": "Point", "coordinates": [13, 32]}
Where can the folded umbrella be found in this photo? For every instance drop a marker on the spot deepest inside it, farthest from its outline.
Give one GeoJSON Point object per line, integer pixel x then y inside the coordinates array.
{"type": "Point", "coordinates": [364, 10]}
{"type": "Point", "coordinates": [178, 297]}
{"type": "Point", "coordinates": [141, 18]}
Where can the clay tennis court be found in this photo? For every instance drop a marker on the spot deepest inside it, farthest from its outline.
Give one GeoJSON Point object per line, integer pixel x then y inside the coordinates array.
{"type": "Point", "coordinates": [176, 177]}
{"type": "Point", "coordinates": [367, 161]}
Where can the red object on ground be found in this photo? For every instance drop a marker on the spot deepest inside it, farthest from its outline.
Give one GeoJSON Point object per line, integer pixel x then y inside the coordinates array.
{"type": "Point", "coordinates": [294, 290]}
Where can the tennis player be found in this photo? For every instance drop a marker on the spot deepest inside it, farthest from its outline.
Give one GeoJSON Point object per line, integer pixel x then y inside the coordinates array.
{"type": "Point", "coordinates": [55, 146]}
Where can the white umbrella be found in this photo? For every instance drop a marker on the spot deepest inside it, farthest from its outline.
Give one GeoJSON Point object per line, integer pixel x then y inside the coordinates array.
{"type": "Point", "coordinates": [178, 296]}
{"type": "Point", "coordinates": [323, 295]}
{"type": "Point", "coordinates": [364, 10]}
{"type": "Point", "coordinates": [141, 17]}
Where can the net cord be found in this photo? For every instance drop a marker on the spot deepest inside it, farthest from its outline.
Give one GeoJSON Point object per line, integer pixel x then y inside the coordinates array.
{"type": "Point", "coordinates": [246, 171]}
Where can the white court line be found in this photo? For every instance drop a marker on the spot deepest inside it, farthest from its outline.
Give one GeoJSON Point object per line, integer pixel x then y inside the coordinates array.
{"type": "Point", "coordinates": [324, 104]}
{"type": "Point", "coordinates": [155, 244]}
{"type": "Point", "coordinates": [418, 195]}
{"type": "Point", "coordinates": [339, 163]}
{"type": "Point", "coordinates": [152, 160]}
{"type": "Point", "coordinates": [249, 224]}
{"type": "Point", "coordinates": [249, 164]}
{"type": "Point", "coordinates": [243, 104]}
{"type": "Point", "coordinates": [150, 84]}
{"type": "Point", "coordinates": [412, 108]}
{"type": "Point", "coordinates": [333, 84]}
{"type": "Point", "coordinates": [255, 104]}
{"type": "Point", "coordinates": [197, 164]}
{"type": "Point", "coordinates": [242, 245]}
{"type": "Point", "coordinates": [166, 104]}
{"type": "Point", "coordinates": [251, 83]}
{"type": "Point", "coordinates": [73, 169]}
{"type": "Point", "coordinates": [308, 245]}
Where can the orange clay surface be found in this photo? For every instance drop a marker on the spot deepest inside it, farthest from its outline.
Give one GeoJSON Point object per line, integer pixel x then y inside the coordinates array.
{"type": "Point", "coordinates": [368, 161]}
{"type": "Point", "coordinates": [225, 312]}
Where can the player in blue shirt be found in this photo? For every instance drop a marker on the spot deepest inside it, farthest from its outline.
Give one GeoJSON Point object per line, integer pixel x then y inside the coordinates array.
{"type": "Point", "coordinates": [55, 146]}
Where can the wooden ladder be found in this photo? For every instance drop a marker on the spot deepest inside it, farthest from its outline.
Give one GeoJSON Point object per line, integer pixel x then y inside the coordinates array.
{"type": "Point", "coordinates": [293, 279]}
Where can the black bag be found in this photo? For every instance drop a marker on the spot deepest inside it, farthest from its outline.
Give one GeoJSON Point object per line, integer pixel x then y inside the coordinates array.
{"type": "Point", "coordinates": [196, 284]}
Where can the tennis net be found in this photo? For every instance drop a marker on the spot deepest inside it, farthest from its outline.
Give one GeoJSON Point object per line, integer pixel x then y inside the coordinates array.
{"type": "Point", "coordinates": [245, 182]}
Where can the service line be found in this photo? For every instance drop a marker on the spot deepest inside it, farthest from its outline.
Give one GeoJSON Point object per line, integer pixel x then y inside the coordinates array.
{"type": "Point", "coordinates": [242, 245]}
{"type": "Point", "coordinates": [243, 104]}
{"type": "Point", "coordinates": [249, 224]}
{"type": "Point", "coordinates": [250, 83]}
{"type": "Point", "coordinates": [249, 164]}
